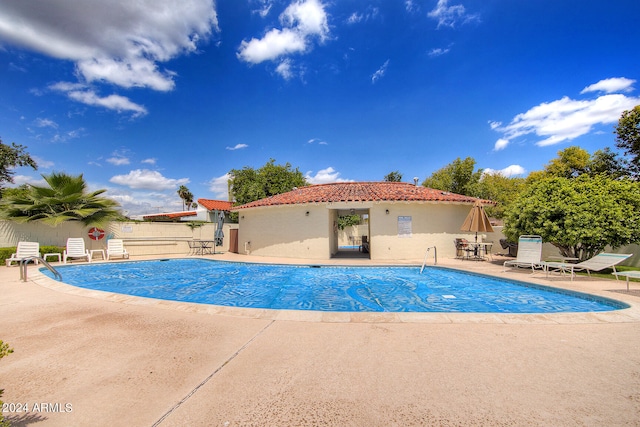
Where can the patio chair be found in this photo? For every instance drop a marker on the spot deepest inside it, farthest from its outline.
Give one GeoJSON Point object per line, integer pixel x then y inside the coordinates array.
{"type": "Point", "coordinates": [364, 247]}
{"type": "Point", "coordinates": [529, 253]}
{"type": "Point", "coordinates": [76, 250]}
{"type": "Point", "coordinates": [511, 247]}
{"type": "Point", "coordinates": [115, 248]}
{"type": "Point", "coordinates": [597, 263]}
{"type": "Point", "coordinates": [23, 251]}
{"type": "Point", "coordinates": [463, 249]}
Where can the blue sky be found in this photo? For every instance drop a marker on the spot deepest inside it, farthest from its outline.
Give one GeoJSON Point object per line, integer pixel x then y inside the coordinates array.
{"type": "Point", "coordinates": [142, 97]}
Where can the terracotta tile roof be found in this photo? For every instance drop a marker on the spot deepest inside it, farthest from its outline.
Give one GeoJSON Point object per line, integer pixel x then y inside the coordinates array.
{"type": "Point", "coordinates": [215, 205]}
{"type": "Point", "coordinates": [171, 215]}
{"type": "Point", "coordinates": [361, 192]}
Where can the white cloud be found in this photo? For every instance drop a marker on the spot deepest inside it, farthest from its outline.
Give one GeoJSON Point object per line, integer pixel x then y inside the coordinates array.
{"type": "Point", "coordinates": [509, 171]}
{"type": "Point", "coordinates": [565, 119]}
{"type": "Point", "coordinates": [19, 180]}
{"type": "Point", "coordinates": [65, 136]}
{"type": "Point", "coordinates": [380, 72]}
{"type": "Point", "coordinates": [354, 18]}
{"type": "Point", "coordinates": [42, 163]}
{"type": "Point", "coordinates": [149, 161]}
{"type": "Point", "coordinates": [308, 17]}
{"type": "Point", "coordinates": [302, 21]}
{"type": "Point", "coordinates": [410, 6]}
{"type": "Point", "coordinates": [220, 187]}
{"type": "Point", "coordinates": [118, 160]}
{"type": "Point", "coordinates": [325, 176]}
{"type": "Point", "coordinates": [616, 84]}
{"type": "Point", "coordinates": [451, 16]}
{"type": "Point", "coordinates": [501, 144]}
{"type": "Point", "coordinates": [139, 203]}
{"type": "Point", "coordinates": [237, 147]}
{"type": "Point", "coordinates": [439, 51]}
{"type": "Point", "coordinates": [317, 141]}
{"type": "Point", "coordinates": [263, 8]}
{"type": "Point", "coordinates": [111, 102]}
{"type": "Point", "coordinates": [284, 69]}
{"type": "Point", "coordinates": [371, 12]}
{"type": "Point", "coordinates": [144, 179]}
{"type": "Point", "coordinates": [41, 123]}
{"type": "Point", "coordinates": [273, 45]}
{"type": "Point", "coordinates": [118, 42]}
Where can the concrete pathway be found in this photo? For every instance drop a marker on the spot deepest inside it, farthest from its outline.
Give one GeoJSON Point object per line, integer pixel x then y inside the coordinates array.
{"type": "Point", "coordinates": [91, 358]}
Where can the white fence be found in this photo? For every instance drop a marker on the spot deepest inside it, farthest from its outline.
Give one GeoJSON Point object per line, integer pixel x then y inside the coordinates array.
{"type": "Point", "coordinates": [140, 238]}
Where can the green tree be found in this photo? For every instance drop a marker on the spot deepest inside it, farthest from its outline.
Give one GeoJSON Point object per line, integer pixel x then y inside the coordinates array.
{"type": "Point", "coordinates": [348, 221]}
{"type": "Point", "coordinates": [64, 199]}
{"type": "Point", "coordinates": [394, 176]}
{"type": "Point", "coordinates": [606, 162]}
{"type": "Point", "coordinates": [575, 161]}
{"type": "Point", "coordinates": [580, 216]}
{"type": "Point", "coordinates": [457, 177]}
{"type": "Point", "coordinates": [12, 156]}
{"type": "Point", "coordinates": [628, 138]}
{"type": "Point", "coordinates": [248, 184]}
{"type": "Point", "coordinates": [570, 163]}
{"type": "Point", "coordinates": [501, 189]}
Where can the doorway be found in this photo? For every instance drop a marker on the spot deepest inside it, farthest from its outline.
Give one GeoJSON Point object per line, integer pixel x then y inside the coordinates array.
{"type": "Point", "coordinates": [352, 234]}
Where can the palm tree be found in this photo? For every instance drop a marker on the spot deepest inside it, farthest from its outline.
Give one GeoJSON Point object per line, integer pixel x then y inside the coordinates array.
{"type": "Point", "coordinates": [185, 195]}
{"type": "Point", "coordinates": [65, 199]}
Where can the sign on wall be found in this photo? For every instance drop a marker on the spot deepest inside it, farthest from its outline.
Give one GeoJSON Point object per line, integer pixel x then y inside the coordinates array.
{"type": "Point", "coordinates": [404, 226]}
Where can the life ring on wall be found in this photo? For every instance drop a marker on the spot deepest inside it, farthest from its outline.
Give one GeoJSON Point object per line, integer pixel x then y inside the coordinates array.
{"type": "Point", "coordinates": [96, 234]}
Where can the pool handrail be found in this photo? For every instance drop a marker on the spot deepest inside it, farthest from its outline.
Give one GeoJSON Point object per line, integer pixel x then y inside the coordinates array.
{"type": "Point", "coordinates": [435, 257]}
{"type": "Point", "coordinates": [25, 261]}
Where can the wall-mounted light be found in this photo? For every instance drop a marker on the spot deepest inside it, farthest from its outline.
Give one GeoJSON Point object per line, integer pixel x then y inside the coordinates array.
{"type": "Point", "coordinates": [387, 211]}
{"type": "Point", "coordinates": [242, 217]}
{"type": "Point", "coordinates": [352, 211]}
{"type": "Point", "coordinates": [306, 213]}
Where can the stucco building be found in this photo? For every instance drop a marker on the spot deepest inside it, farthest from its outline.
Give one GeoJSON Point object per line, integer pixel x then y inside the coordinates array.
{"type": "Point", "coordinates": [402, 220]}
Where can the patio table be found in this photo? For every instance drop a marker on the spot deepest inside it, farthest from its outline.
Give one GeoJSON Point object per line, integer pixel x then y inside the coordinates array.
{"type": "Point", "coordinates": [202, 247]}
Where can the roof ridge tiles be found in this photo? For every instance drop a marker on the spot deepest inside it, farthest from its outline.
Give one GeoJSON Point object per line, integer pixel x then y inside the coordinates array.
{"type": "Point", "coordinates": [360, 192]}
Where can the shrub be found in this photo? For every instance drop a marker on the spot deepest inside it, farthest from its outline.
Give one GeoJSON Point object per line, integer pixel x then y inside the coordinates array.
{"type": "Point", "coordinates": [47, 249]}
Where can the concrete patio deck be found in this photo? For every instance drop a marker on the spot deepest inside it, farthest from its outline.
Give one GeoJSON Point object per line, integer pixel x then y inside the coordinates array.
{"type": "Point", "coordinates": [91, 358]}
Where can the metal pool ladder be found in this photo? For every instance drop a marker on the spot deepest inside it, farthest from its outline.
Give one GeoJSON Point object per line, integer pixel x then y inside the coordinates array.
{"type": "Point", "coordinates": [25, 261]}
{"type": "Point", "coordinates": [435, 257]}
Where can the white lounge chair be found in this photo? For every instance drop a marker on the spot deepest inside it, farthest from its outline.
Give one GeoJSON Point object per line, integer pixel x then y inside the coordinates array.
{"type": "Point", "coordinates": [529, 253]}
{"type": "Point", "coordinates": [115, 248]}
{"type": "Point", "coordinates": [23, 251]}
{"type": "Point", "coordinates": [628, 274]}
{"type": "Point", "coordinates": [75, 249]}
{"type": "Point", "coordinates": [597, 263]}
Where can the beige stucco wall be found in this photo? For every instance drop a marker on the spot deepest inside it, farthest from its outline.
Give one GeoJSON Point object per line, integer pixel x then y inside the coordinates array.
{"type": "Point", "coordinates": [431, 225]}
{"type": "Point", "coordinates": [140, 238]}
{"type": "Point", "coordinates": [287, 231]}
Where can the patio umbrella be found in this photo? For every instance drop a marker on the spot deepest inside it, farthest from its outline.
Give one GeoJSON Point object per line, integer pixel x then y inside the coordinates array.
{"type": "Point", "coordinates": [219, 235]}
{"type": "Point", "coordinates": [477, 220]}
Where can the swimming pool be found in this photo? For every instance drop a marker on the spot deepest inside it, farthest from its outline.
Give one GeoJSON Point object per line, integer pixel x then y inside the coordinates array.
{"type": "Point", "coordinates": [327, 288]}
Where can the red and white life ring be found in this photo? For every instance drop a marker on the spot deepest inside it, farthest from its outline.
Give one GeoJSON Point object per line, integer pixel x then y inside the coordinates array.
{"type": "Point", "coordinates": [96, 234]}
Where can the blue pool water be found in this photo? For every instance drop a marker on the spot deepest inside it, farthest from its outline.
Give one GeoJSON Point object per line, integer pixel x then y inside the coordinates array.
{"type": "Point", "coordinates": [327, 288]}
